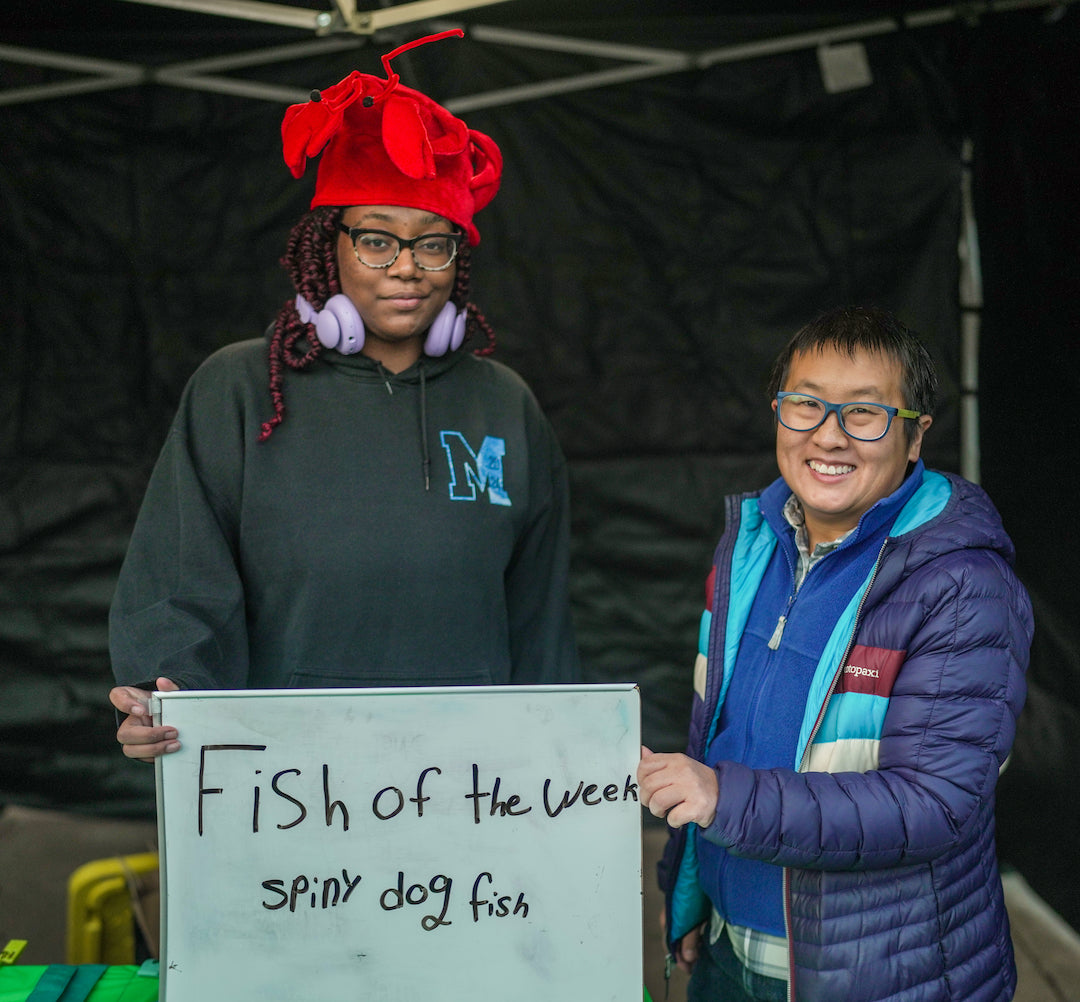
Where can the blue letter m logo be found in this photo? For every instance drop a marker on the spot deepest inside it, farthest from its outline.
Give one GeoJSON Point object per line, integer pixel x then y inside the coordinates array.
{"type": "Point", "coordinates": [472, 470]}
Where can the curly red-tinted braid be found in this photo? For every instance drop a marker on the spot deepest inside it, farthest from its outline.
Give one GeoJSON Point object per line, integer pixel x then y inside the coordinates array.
{"type": "Point", "coordinates": [311, 262]}
{"type": "Point", "coordinates": [475, 320]}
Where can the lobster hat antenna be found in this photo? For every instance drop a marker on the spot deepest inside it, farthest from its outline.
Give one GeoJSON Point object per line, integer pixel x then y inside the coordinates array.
{"type": "Point", "coordinates": [382, 143]}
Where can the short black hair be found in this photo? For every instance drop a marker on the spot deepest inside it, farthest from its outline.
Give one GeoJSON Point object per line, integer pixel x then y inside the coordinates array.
{"type": "Point", "coordinates": [850, 329]}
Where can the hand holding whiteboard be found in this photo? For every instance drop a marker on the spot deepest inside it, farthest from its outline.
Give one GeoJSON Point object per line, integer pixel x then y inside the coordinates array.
{"type": "Point", "coordinates": [394, 844]}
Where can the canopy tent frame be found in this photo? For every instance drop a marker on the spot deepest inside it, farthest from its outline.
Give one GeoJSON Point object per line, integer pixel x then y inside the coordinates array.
{"type": "Point", "coordinates": [343, 17]}
{"type": "Point", "coordinates": [345, 21]}
{"type": "Point", "coordinates": [344, 27]}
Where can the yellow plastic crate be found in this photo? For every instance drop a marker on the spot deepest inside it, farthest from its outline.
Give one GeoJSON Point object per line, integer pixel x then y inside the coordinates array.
{"type": "Point", "coordinates": [101, 919]}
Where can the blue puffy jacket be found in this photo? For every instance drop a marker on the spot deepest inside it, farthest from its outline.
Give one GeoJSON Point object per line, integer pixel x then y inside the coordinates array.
{"type": "Point", "coordinates": [886, 828]}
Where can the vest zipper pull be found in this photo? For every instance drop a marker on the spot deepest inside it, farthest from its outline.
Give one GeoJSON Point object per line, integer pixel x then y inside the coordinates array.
{"type": "Point", "coordinates": [778, 633]}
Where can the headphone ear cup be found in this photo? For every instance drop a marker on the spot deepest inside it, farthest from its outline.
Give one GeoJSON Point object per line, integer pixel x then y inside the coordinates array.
{"type": "Point", "coordinates": [304, 310]}
{"type": "Point", "coordinates": [458, 336]}
{"type": "Point", "coordinates": [446, 333]}
{"type": "Point", "coordinates": [339, 326]}
{"type": "Point", "coordinates": [327, 328]}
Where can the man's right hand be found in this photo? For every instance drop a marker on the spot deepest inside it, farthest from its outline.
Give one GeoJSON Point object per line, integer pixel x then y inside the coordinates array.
{"type": "Point", "coordinates": [677, 788]}
{"type": "Point", "coordinates": [138, 736]}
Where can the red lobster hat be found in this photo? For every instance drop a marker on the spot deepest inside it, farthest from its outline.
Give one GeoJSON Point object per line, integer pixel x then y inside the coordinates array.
{"type": "Point", "coordinates": [386, 144]}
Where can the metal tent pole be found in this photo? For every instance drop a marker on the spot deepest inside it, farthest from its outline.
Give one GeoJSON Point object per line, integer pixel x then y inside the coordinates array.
{"type": "Point", "coordinates": [971, 301]}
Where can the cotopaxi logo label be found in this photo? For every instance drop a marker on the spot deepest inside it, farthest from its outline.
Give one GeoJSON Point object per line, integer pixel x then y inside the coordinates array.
{"type": "Point", "coordinates": [857, 670]}
{"type": "Point", "coordinates": [871, 670]}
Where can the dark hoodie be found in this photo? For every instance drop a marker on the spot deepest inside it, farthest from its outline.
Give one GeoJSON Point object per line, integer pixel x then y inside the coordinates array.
{"type": "Point", "coordinates": [407, 529]}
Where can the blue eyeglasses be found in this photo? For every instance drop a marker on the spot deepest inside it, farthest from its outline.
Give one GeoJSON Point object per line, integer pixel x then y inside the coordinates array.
{"type": "Point", "coordinates": [859, 419]}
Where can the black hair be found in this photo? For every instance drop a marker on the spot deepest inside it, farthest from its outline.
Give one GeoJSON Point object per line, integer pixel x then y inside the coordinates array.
{"type": "Point", "coordinates": [850, 329]}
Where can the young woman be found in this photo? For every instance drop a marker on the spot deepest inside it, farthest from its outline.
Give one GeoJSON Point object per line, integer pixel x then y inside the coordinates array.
{"type": "Point", "coordinates": [394, 511]}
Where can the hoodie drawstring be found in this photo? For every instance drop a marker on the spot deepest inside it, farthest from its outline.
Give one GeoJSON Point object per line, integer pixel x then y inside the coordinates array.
{"type": "Point", "coordinates": [385, 377]}
{"type": "Point", "coordinates": [426, 462]}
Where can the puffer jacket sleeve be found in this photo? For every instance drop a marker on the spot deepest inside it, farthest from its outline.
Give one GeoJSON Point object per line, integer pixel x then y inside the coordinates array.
{"type": "Point", "coordinates": [965, 625]}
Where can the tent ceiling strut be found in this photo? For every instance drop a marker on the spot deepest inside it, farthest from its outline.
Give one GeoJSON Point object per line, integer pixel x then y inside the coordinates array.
{"type": "Point", "coordinates": [341, 27]}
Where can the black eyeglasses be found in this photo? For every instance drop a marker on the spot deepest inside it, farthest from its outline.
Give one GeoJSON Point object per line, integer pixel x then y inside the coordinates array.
{"type": "Point", "coordinates": [379, 249]}
{"type": "Point", "coordinates": [859, 419]}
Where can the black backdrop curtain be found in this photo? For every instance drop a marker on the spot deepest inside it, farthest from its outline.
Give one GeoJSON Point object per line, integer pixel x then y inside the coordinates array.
{"type": "Point", "coordinates": [1026, 113]}
{"type": "Point", "coordinates": [653, 245]}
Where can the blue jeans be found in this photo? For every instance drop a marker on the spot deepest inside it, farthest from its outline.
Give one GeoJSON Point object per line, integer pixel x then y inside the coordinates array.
{"type": "Point", "coordinates": [719, 976]}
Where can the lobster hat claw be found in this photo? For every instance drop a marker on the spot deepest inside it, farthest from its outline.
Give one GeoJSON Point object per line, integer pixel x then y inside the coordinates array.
{"type": "Point", "coordinates": [382, 143]}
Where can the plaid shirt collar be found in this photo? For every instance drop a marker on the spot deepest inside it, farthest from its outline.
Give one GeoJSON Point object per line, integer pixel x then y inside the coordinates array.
{"type": "Point", "coordinates": [793, 513]}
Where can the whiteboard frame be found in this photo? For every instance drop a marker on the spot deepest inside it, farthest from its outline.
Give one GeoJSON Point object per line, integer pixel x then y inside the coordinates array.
{"type": "Point", "coordinates": [629, 971]}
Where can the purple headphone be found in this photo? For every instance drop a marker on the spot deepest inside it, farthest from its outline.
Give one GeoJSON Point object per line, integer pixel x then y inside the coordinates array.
{"type": "Point", "coordinates": [340, 327]}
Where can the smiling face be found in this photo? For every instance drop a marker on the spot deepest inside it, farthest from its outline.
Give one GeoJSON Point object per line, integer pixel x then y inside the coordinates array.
{"type": "Point", "coordinates": [398, 303]}
{"type": "Point", "coordinates": [835, 477]}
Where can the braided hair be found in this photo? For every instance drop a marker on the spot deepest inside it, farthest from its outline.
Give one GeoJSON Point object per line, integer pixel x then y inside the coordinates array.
{"type": "Point", "coordinates": [310, 260]}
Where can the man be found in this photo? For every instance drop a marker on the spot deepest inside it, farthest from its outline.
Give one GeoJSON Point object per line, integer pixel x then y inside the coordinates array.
{"type": "Point", "coordinates": [860, 672]}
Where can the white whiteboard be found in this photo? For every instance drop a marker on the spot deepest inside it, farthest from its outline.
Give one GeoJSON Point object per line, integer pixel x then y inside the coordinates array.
{"type": "Point", "coordinates": [492, 847]}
